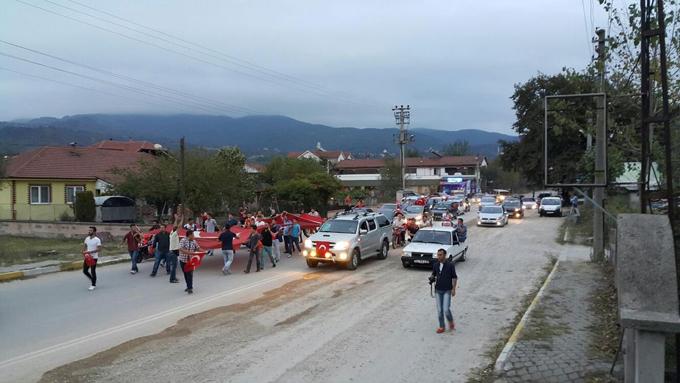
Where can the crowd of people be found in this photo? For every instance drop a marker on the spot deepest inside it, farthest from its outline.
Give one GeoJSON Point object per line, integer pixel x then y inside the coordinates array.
{"type": "Point", "coordinates": [264, 238]}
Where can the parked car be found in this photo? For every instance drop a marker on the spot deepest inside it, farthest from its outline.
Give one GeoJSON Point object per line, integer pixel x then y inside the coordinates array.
{"type": "Point", "coordinates": [422, 251]}
{"type": "Point", "coordinates": [513, 208]}
{"type": "Point", "coordinates": [529, 203]}
{"type": "Point", "coordinates": [550, 206]}
{"type": "Point", "coordinates": [492, 216]}
{"type": "Point", "coordinates": [348, 239]}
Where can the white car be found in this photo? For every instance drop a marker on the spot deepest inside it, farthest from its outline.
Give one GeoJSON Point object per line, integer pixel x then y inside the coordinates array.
{"type": "Point", "coordinates": [422, 251]}
{"type": "Point", "coordinates": [487, 201]}
{"type": "Point", "coordinates": [492, 216]}
{"type": "Point", "coordinates": [529, 203]}
{"type": "Point", "coordinates": [550, 206]}
{"type": "Point", "coordinates": [415, 212]}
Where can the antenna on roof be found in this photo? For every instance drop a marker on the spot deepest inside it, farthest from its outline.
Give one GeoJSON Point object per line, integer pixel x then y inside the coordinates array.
{"type": "Point", "coordinates": [435, 153]}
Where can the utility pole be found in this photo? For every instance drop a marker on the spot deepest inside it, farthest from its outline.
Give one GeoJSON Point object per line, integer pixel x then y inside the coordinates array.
{"type": "Point", "coordinates": [402, 115]}
{"type": "Point", "coordinates": [181, 172]}
{"type": "Point", "coordinates": [600, 154]}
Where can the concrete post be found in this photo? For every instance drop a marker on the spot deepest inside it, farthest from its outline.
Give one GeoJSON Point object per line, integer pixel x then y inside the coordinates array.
{"type": "Point", "coordinates": [649, 356]}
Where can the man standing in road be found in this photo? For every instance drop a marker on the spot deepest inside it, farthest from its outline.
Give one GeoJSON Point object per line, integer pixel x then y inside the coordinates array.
{"type": "Point", "coordinates": [174, 253]}
{"type": "Point", "coordinates": [445, 281]}
{"type": "Point", "coordinates": [132, 239]}
{"type": "Point", "coordinates": [461, 231]}
{"type": "Point", "coordinates": [253, 245]}
{"type": "Point", "coordinates": [161, 242]}
{"type": "Point", "coordinates": [92, 246]}
{"type": "Point", "coordinates": [227, 240]}
{"type": "Point", "coordinates": [187, 248]}
{"type": "Point", "coordinates": [287, 237]}
{"type": "Point", "coordinates": [295, 233]}
{"type": "Point", "coordinates": [268, 239]}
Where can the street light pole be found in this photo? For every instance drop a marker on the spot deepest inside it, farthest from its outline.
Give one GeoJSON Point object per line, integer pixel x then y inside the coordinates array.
{"type": "Point", "coordinates": [600, 155]}
{"type": "Point", "coordinates": [402, 115]}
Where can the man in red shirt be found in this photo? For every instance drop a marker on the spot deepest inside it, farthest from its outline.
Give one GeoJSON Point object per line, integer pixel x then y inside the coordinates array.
{"type": "Point", "coordinates": [132, 239]}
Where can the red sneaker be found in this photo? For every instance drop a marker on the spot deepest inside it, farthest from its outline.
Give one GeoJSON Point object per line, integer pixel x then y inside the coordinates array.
{"type": "Point", "coordinates": [440, 330]}
{"type": "Point", "coordinates": [452, 325]}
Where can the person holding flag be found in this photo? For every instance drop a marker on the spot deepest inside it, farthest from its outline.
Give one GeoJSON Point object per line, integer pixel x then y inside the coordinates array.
{"type": "Point", "coordinates": [188, 249]}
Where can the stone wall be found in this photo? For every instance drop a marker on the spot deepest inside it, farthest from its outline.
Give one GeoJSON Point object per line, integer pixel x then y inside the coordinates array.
{"type": "Point", "coordinates": [49, 229]}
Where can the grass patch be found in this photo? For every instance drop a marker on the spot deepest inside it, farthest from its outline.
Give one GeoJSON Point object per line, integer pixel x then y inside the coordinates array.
{"type": "Point", "coordinates": [603, 303]}
{"type": "Point", "coordinates": [486, 373]}
{"type": "Point", "coordinates": [581, 230]}
{"type": "Point", "coordinates": [541, 326]}
{"type": "Point", "coordinates": [20, 250]}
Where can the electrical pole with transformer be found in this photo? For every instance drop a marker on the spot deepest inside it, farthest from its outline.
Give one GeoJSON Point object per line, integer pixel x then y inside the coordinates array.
{"type": "Point", "coordinates": [402, 115]}
{"type": "Point", "coordinates": [600, 152]}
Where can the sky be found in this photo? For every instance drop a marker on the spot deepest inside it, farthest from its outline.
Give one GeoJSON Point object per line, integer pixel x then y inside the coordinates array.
{"type": "Point", "coordinates": [339, 63]}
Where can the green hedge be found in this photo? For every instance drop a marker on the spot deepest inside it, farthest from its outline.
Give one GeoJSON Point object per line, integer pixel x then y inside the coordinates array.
{"type": "Point", "coordinates": [85, 209]}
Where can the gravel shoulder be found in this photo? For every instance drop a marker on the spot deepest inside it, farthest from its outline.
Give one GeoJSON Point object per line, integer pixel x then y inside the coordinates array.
{"type": "Point", "coordinates": [375, 324]}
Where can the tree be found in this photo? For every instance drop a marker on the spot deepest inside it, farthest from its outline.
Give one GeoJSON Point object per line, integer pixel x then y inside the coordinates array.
{"type": "Point", "coordinates": [85, 209]}
{"type": "Point", "coordinates": [458, 148]}
{"type": "Point", "coordinates": [390, 179]}
{"type": "Point", "coordinates": [412, 152]}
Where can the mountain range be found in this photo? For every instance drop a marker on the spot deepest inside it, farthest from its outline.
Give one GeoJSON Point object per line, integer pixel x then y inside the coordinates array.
{"type": "Point", "coordinates": [258, 136]}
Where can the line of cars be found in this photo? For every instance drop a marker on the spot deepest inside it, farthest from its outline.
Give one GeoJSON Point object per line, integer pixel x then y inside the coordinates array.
{"type": "Point", "coordinates": [494, 211]}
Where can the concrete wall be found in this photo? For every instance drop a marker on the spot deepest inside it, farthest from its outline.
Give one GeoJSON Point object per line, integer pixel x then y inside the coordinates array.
{"type": "Point", "coordinates": [48, 229]}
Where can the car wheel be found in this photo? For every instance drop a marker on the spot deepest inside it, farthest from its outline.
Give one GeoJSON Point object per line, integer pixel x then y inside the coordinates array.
{"type": "Point", "coordinates": [312, 263]}
{"type": "Point", "coordinates": [405, 264]}
{"type": "Point", "coordinates": [354, 261]}
{"type": "Point", "coordinates": [559, 214]}
{"type": "Point", "coordinates": [384, 250]}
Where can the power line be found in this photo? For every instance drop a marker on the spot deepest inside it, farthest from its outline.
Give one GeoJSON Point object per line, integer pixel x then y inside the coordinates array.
{"type": "Point", "coordinates": [155, 45]}
{"type": "Point", "coordinates": [75, 85]}
{"type": "Point", "coordinates": [134, 80]}
{"type": "Point", "coordinates": [126, 87]}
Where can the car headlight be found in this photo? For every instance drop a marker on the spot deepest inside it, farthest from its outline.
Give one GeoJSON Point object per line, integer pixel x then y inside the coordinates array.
{"type": "Point", "coordinates": [308, 243]}
{"type": "Point", "coordinates": [407, 253]}
{"type": "Point", "coordinates": [342, 245]}
{"type": "Point", "coordinates": [479, 222]}
{"type": "Point", "coordinates": [419, 217]}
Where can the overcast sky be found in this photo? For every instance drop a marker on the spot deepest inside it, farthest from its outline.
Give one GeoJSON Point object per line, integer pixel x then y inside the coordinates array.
{"type": "Point", "coordinates": [341, 63]}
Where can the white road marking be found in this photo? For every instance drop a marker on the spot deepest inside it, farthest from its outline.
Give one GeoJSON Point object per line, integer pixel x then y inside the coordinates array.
{"type": "Point", "coordinates": [136, 322]}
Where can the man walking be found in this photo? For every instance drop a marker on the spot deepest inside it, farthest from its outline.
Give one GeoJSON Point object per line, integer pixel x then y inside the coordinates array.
{"type": "Point", "coordinates": [132, 239]}
{"type": "Point", "coordinates": [227, 240]}
{"type": "Point", "coordinates": [287, 238]}
{"type": "Point", "coordinates": [174, 253]}
{"type": "Point", "coordinates": [295, 233]}
{"type": "Point", "coordinates": [161, 242]}
{"type": "Point", "coordinates": [278, 237]}
{"type": "Point", "coordinates": [253, 242]}
{"type": "Point", "coordinates": [91, 246]}
{"type": "Point", "coordinates": [187, 248]}
{"type": "Point", "coordinates": [268, 239]}
{"type": "Point", "coordinates": [445, 281]}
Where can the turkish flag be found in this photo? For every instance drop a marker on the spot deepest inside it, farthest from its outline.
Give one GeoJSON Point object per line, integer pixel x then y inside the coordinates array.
{"type": "Point", "coordinates": [194, 261]}
{"type": "Point", "coordinates": [322, 248]}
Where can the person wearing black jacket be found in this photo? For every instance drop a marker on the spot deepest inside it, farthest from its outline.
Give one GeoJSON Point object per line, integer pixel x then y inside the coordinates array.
{"type": "Point", "coordinates": [445, 282]}
{"type": "Point", "coordinates": [161, 242]}
{"type": "Point", "coordinates": [268, 238]}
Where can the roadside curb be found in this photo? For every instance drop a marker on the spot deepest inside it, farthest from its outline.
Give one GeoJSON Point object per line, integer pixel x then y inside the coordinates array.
{"type": "Point", "coordinates": [512, 341]}
{"type": "Point", "coordinates": [64, 266]}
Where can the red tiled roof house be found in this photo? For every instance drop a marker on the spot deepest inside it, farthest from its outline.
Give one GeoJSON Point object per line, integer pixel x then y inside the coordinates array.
{"type": "Point", "coordinates": [41, 184]}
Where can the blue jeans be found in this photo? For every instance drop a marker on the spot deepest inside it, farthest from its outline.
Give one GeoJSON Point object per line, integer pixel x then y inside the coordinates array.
{"type": "Point", "coordinates": [269, 251]}
{"type": "Point", "coordinates": [158, 255]}
{"type": "Point", "coordinates": [276, 250]}
{"type": "Point", "coordinates": [228, 259]}
{"type": "Point", "coordinates": [172, 260]}
{"type": "Point", "coordinates": [443, 298]}
{"type": "Point", "coordinates": [133, 256]}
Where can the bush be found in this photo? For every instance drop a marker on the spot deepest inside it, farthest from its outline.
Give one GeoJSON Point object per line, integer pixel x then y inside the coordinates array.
{"type": "Point", "coordinates": [85, 209]}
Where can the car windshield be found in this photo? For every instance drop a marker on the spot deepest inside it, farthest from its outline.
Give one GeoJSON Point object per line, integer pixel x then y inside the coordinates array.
{"type": "Point", "coordinates": [528, 199]}
{"type": "Point", "coordinates": [513, 203]}
{"type": "Point", "coordinates": [388, 206]}
{"type": "Point", "coordinates": [489, 200]}
{"type": "Point", "coordinates": [441, 206]}
{"type": "Point", "coordinates": [414, 209]}
{"type": "Point", "coordinates": [550, 201]}
{"type": "Point", "coordinates": [492, 210]}
{"type": "Point", "coordinates": [433, 236]}
{"type": "Point", "coordinates": [339, 226]}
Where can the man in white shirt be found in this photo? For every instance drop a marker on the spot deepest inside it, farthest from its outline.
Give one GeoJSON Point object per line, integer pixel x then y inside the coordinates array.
{"type": "Point", "coordinates": [92, 246]}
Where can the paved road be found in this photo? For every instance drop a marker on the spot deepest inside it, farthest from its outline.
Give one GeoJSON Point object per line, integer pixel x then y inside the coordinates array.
{"type": "Point", "coordinates": [376, 323]}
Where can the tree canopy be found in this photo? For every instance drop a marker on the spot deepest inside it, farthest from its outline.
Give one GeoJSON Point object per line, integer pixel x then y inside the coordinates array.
{"type": "Point", "coordinates": [457, 148]}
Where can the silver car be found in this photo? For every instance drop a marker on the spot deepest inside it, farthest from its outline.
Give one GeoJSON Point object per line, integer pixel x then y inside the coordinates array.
{"type": "Point", "coordinates": [349, 238]}
{"type": "Point", "coordinates": [492, 216]}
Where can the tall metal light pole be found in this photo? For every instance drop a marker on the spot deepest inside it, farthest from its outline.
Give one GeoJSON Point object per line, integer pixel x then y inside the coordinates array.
{"type": "Point", "coordinates": [402, 115]}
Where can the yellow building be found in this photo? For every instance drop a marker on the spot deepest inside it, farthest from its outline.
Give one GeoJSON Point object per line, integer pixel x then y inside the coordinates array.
{"type": "Point", "coordinates": [41, 184]}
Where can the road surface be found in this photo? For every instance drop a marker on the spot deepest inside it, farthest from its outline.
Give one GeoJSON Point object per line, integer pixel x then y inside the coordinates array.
{"type": "Point", "coordinates": [285, 324]}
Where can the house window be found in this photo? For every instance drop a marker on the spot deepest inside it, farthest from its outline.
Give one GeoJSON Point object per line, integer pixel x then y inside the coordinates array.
{"type": "Point", "coordinates": [40, 194]}
{"type": "Point", "coordinates": [71, 192]}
